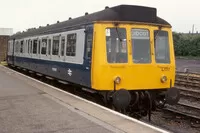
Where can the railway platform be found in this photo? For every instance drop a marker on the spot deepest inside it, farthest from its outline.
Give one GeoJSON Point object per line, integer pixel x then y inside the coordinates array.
{"type": "Point", "coordinates": [30, 106]}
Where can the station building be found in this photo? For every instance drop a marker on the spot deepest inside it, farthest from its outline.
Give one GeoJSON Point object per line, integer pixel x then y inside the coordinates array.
{"type": "Point", "coordinates": [4, 36]}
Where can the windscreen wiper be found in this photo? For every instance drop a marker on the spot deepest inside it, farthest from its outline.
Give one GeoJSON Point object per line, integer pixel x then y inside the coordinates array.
{"type": "Point", "coordinates": [158, 31]}
{"type": "Point", "coordinates": [118, 35]}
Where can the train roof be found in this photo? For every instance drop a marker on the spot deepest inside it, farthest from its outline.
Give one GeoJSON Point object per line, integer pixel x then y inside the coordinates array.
{"type": "Point", "coordinates": [123, 13]}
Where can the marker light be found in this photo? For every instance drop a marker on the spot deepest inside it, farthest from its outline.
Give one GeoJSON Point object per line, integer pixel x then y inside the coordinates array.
{"type": "Point", "coordinates": [163, 79]}
{"type": "Point", "coordinates": [117, 80]}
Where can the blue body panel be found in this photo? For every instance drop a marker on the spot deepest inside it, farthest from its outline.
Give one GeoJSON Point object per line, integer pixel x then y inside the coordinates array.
{"type": "Point", "coordinates": [75, 73]}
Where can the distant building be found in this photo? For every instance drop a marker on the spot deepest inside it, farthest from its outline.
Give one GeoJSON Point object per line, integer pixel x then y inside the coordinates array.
{"type": "Point", "coordinates": [4, 36]}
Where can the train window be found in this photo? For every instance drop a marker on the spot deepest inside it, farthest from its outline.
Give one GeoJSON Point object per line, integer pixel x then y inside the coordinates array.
{"type": "Point", "coordinates": [116, 44]}
{"type": "Point", "coordinates": [39, 46]}
{"type": "Point", "coordinates": [62, 45]}
{"type": "Point", "coordinates": [89, 45]}
{"type": "Point", "coordinates": [17, 50]}
{"type": "Point", "coordinates": [71, 45]}
{"type": "Point", "coordinates": [44, 46]}
{"type": "Point", "coordinates": [35, 42]}
{"type": "Point", "coordinates": [162, 53]}
{"type": "Point", "coordinates": [29, 46]}
{"type": "Point", "coordinates": [21, 46]}
{"type": "Point", "coordinates": [55, 48]}
{"type": "Point", "coordinates": [141, 47]}
{"type": "Point", "coordinates": [26, 48]}
{"type": "Point", "coordinates": [49, 47]}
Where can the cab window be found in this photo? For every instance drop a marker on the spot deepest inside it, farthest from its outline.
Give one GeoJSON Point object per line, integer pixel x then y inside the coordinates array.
{"type": "Point", "coordinates": [161, 47]}
{"type": "Point", "coordinates": [141, 46]}
{"type": "Point", "coordinates": [116, 45]}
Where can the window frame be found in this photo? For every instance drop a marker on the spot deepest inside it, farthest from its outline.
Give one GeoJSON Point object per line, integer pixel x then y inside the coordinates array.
{"type": "Point", "coordinates": [65, 42]}
{"type": "Point", "coordinates": [70, 45]}
{"type": "Point", "coordinates": [58, 52]}
{"type": "Point", "coordinates": [150, 48]}
{"type": "Point", "coordinates": [169, 47]}
{"type": "Point", "coordinates": [127, 46]}
{"type": "Point", "coordinates": [35, 51]}
{"type": "Point", "coordinates": [46, 53]}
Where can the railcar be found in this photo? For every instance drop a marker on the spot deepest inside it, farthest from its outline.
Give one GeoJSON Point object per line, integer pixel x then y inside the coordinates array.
{"type": "Point", "coordinates": [124, 53]}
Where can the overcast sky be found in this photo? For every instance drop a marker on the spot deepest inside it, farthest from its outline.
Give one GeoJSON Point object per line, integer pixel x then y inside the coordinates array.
{"type": "Point", "coordinates": [23, 14]}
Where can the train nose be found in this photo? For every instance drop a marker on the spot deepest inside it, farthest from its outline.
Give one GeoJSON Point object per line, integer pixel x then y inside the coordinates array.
{"type": "Point", "coordinates": [172, 96]}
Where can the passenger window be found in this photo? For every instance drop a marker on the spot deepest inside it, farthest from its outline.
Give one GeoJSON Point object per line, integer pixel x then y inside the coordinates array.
{"type": "Point", "coordinates": [116, 45]}
{"type": "Point", "coordinates": [56, 40]}
{"type": "Point", "coordinates": [141, 46]}
{"type": "Point", "coordinates": [17, 47]}
{"type": "Point", "coordinates": [29, 46]}
{"type": "Point", "coordinates": [62, 45]}
{"type": "Point", "coordinates": [49, 47]}
{"type": "Point", "coordinates": [26, 48]}
{"type": "Point", "coordinates": [35, 46]}
{"type": "Point", "coordinates": [44, 46]}
{"type": "Point", "coordinates": [71, 45]}
{"type": "Point", "coordinates": [39, 46]}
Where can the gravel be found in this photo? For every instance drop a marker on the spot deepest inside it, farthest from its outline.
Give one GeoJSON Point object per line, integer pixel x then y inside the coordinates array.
{"type": "Point", "coordinates": [174, 123]}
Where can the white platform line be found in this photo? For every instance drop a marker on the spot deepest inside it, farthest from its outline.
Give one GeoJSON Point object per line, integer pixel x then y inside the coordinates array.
{"type": "Point", "coordinates": [107, 109]}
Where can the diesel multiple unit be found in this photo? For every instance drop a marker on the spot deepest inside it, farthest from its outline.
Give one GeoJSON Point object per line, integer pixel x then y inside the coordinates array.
{"type": "Point", "coordinates": [124, 53]}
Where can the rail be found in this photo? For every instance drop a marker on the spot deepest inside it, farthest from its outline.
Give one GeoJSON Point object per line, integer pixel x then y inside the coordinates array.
{"type": "Point", "coordinates": [189, 104]}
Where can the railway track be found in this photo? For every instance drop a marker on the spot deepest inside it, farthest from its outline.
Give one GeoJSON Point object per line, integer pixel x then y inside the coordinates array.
{"type": "Point", "coordinates": [189, 104]}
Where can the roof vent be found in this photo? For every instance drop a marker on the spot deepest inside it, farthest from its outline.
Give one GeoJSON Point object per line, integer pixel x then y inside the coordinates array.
{"type": "Point", "coordinates": [58, 21]}
{"type": "Point", "coordinates": [106, 7]}
{"type": "Point", "coordinates": [86, 13]}
{"type": "Point", "coordinates": [47, 24]}
{"type": "Point", "coordinates": [70, 18]}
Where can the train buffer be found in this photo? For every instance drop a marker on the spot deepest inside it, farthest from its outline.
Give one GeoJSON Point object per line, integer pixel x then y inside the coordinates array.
{"type": "Point", "coordinates": [28, 105]}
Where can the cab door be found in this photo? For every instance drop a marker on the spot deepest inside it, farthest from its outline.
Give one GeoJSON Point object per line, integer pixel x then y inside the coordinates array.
{"type": "Point", "coordinates": [86, 79]}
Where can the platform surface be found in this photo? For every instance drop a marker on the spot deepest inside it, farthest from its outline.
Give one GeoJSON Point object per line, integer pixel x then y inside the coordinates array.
{"type": "Point", "coordinates": [30, 107]}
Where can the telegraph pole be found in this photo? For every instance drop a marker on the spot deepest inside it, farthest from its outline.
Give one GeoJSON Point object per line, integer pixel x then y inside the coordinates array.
{"type": "Point", "coordinates": [192, 28]}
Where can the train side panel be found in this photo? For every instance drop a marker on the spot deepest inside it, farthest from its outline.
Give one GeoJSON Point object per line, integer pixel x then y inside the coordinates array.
{"type": "Point", "coordinates": [72, 69]}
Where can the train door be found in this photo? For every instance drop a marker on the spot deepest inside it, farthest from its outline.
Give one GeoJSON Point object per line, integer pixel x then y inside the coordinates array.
{"type": "Point", "coordinates": [88, 55]}
{"type": "Point", "coordinates": [63, 47]}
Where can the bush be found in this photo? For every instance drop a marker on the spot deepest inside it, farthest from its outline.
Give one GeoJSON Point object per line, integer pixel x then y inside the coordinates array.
{"type": "Point", "coordinates": [186, 44]}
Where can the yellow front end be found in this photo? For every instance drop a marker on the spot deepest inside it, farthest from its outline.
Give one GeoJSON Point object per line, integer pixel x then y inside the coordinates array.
{"type": "Point", "coordinates": [136, 73]}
